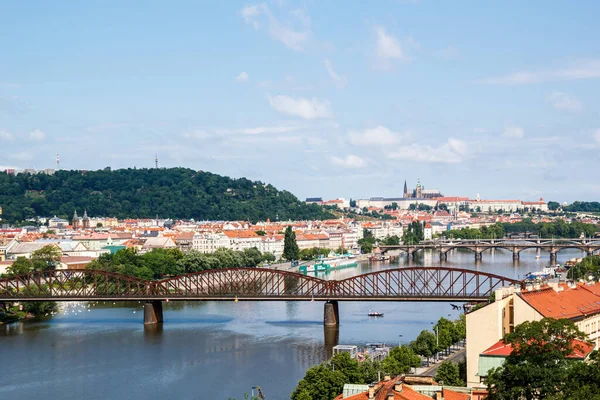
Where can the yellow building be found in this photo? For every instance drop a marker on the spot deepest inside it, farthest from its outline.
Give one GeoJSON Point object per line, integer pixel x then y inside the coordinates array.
{"type": "Point", "coordinates": [487, 325]}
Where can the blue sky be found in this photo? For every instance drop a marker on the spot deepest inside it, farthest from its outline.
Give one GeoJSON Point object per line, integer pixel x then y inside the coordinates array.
{"type": "Point", "coordinates": [331, 99]}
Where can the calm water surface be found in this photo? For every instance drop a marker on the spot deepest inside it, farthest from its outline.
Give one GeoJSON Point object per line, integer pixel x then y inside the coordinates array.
{"type": "Point", "coordinates": [212, 350]}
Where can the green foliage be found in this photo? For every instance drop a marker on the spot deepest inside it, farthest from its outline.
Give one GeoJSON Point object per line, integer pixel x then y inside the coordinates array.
{"type": "Point", "coordinates": [425, 344]}
{"type": "Point", "coordinates": [414, 234]}
{"type": "Point", "coordinates": [159, 263]}
{"type": "Point", "coordinates": [590, 265]}
{"type": "Point", "coordinates": [291, 251]}
{"type": "Point", "coordinates": [21, 266]}
{"type": "Point", "coordinates": [400, 360]}
{"type": "Point", "coordinates": [538, 367]}
{"type": "Point", "coordinates": [326, 381]}
{"type": "Point", "coordinates": [312, 253]}
{"type": "Point", "coordinates": [582, 206]}
{"type": "Point", "coordinates": [556, 229]}
{"type": "Point", "coordinates": [448, 373]}
{"type": "Point", "coordinates": [46, 258]}
{"type": "Point", "coordinates": [391, 240]}
{"type": "Point", "coordinates": [553, 205]}
{"type": "Point", "coordinates": [367, 241]}
{"type": "Point", "coordinates": [145, 193]}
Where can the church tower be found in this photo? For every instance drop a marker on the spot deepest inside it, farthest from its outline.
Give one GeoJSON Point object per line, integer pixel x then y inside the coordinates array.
{"type": "Point", "coordinates": [75, 222]}
{"type": "Point", "coordinates": [419, 190]}
{"type": "Point", "coordinates": [86, 220]}
{"type": "Point", "coordinates": [405, 190]}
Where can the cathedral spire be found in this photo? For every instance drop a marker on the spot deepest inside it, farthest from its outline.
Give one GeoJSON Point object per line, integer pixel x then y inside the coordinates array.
{"type": "Point", "coordinates": [405, 189]}
{"type": "Point", "coordinates": [75, 215]}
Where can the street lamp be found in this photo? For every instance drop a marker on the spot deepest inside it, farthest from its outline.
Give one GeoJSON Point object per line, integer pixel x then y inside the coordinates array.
{"type": "Point", "coordinates": [451, 344]}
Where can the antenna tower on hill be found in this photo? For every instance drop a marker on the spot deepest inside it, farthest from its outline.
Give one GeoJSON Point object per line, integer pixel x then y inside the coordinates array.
{"type": "Point", "coordinates": [156, 161]}
{"type": "Point", "coordinates": [57, 162]}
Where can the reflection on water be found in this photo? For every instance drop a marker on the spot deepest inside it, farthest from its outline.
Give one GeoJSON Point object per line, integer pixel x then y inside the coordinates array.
{"type": "Point", "coordinates": [214, 350]}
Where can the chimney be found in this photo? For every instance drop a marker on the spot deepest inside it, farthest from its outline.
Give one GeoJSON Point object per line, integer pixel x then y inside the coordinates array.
{"type": "Point", "coordinates": [386, 378]}
{"type": "Point", "coordinates": [390, 396]}
{"type": "Point", "coordinates": [371, 391]}
{"type": "Point", "coordinates": [398, 386]}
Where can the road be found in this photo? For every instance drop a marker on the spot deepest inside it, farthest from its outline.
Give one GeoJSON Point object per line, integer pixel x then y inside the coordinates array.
{"type": "Point", "coordinates": [455, 358]}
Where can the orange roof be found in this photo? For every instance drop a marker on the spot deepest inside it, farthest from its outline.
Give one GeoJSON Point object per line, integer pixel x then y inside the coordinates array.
{"type": "Point", "coordinates": [383, 389]}
{"type": "Point", "coordinates": [577, 302]}
{"type": "Point", "coordinates": [451, 395]}
{"type": "Point", "coordinates": [580, 350]}
{"type": "Point", "coordinates": [450, 199]}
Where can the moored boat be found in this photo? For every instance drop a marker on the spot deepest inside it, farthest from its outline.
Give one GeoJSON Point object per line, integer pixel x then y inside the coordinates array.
{"type": "Point", "coordinates": [330, 263]}
{"type": "Point", "coordinates": [375, 314]}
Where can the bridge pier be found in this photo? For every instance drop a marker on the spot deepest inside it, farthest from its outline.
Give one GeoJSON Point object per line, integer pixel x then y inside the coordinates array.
{"type": "Point", "coordinates": [478, 256]}
{"type": "Point", "coordinates": [153, 312]}
{"type": "Point", "coordinates": [552, 257]}
{"type": "Point", "coordinates": [515, 255]}
{"type": "Point", "coordinates": [331, 313]}
{"type": "Point", "coordinates": [443, 256]}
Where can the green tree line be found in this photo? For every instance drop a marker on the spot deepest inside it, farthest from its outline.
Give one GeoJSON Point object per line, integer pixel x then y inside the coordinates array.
{"type": "Point", "coordinates": [146, 193]}
{"type": "Point", "coordinates": [556, 229]}
{"type": "Point", "coordinates": [159, 263]}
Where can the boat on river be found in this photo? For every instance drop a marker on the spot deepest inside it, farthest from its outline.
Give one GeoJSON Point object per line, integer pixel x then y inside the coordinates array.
{"type": "Point", "coordinates": [375, 314]}
{"type": "Point", "coordinates": [330, 263]}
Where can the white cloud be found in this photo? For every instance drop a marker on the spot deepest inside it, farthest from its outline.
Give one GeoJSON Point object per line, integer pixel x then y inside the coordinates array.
{"type": "Point", "coordinates": [196, 135]}
{"type": "Point", "coordinates": [448, 53]}
{"type": "Point", "coordinates": [452, 152]}
{"type": "Point", "coordinates": [258, 130]}
{"type": "Point", "coordinates": [563, 101]}
{"type": "Point", "coordinates": [587, 69]}
{"type": "Point", "coordinates": [389, 48]}
{"type": "Point", "coordinates": [378, 136]}
{"type": "Point", "coordinates": [37, 135]}
{"type": "Point", "coordinates": [282, 31]}
{"type": "Point", "coordinates": [22, 156]}
{"type": "Point", "coordinates": [350, 161]}
{"type": "Point", "coordinates": [514, 132]}
{"type": "Point", "coordinates": [597, 136]}
{"type": "Point", "coordinates": [301, 107]}
{"type": "Point", "coordinates": [242, 77]}
{"type": "Point", "coordinates": [5, 135]}
{"type": "Point", "coordinates": [339, 80]}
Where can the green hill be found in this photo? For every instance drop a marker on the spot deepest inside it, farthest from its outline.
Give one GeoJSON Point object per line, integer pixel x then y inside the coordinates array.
{"type": "Point", "coordinates": [145, 193]}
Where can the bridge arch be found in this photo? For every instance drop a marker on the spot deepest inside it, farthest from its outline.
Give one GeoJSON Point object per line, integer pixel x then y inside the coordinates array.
{"type": "Point", "coordinates": [242, 282]}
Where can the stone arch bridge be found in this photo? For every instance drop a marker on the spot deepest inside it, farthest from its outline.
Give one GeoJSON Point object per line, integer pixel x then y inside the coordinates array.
{"type": "Point", "coordinates": [478, 247]}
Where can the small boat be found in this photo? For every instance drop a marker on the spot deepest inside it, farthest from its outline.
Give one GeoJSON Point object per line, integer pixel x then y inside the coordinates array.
{"type": "Point", "coordinates": [375, 314]}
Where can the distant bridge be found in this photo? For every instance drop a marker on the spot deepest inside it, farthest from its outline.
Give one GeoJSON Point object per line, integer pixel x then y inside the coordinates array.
{"type": "Point", "coordinates": [516, 246]}
{"type": "Point", "coordinates": [255, 284]}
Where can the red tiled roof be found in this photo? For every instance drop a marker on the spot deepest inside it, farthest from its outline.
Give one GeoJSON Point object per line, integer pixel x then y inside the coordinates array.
{"type": "Point", "coordinates": [451, 395]}
{"type": "Point", "coordinates": [580, 350]}
{"type": "Point", "coordinates": [579, 301]}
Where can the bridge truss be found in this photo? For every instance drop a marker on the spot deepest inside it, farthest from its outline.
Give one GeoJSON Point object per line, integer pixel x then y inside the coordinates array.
{"type": "Point", "coordinates": [402, 284]}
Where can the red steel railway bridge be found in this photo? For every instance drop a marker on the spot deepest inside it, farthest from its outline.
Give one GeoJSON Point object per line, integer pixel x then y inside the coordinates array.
{"type": "Point", "coordinates": [255, 284]}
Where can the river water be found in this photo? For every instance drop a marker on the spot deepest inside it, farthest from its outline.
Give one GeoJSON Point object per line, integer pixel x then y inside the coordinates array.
{"type": "Point", "coordinates": [212, 350]}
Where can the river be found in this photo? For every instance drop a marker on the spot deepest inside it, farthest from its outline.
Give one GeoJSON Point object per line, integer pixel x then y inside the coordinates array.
{"type": "Point", "coordinates": [212, 350]}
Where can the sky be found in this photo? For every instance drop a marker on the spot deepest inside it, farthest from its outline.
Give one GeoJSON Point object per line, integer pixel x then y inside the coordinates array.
{"type": "Point", "coordinates": [322, 98]}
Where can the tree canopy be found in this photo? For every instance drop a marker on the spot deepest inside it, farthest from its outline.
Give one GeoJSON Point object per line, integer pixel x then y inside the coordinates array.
{"type": "Point", "coordinates": [538, 367]}
{"type": "Point", "coordinates": [145, 193]}
{"type": "Point", "coordinates": [291, 252]}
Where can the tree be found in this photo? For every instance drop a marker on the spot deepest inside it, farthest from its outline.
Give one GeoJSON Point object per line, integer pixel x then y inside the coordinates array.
{"type": "Point", "coordinates": [21, 266]}
{"type": "Point", "coordinates": [538, 366]}
{"type": "Point", "coordinates": [425, 344]}
{"type": "Point", "coordinates": [448, 373]}
{"type": "Point", "coordinates": [367, 241]}
{"type": "Point", "coordinates": [261, 233]}
{"type": "Point", "coordinates": [553, 205]}
{"type": "Point", "coordinates": [400, 360]}
{"type": "Point", "coordinates": [46, 258]}
{"type": "Point", "coordinates": [290, 247]}
{"type": "Point", "coordinates": [268, 257]}
{"type": "Point", "coordinates": [326, 381]}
